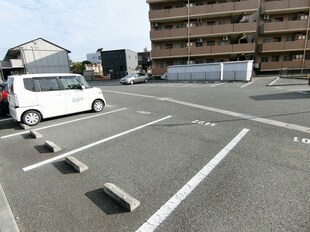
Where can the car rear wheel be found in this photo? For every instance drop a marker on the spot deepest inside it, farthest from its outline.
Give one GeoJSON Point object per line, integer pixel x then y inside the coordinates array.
{"type": "Point", "coordinates": [98, 105]}
{"type": "Point", "coordinates": [31, 118]}
{"type": "Point", "coordinates": [146, 80]}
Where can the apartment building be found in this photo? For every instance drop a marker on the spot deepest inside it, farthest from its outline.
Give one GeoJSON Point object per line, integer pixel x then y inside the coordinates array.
{"type": "Point", "coordinates": [207, 31]}
{"type": "Point", "coordinates": [284, 40]}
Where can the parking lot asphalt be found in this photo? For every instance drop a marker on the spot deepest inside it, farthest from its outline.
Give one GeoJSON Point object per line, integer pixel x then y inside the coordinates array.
{"type": "Point", "coordinates": [198, 157]}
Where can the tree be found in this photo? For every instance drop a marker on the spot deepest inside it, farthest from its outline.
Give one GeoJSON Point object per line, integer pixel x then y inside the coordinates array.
{"type": "Point", "coordinates": [77, 67]}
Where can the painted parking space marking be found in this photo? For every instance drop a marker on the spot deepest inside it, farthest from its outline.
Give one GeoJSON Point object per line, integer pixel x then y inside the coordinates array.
{"type": "Point", "coordinates": [189, 85]}
{"type": "Point", "coordinates": [218, 84]}
{"type": "Point", "coordinates": [63, 123]}
{"type": "Point", "coordinates": [92, 145]}
{"type": "Point", "coordinates": [164, 212]}
{"type": "Point", "coordinates": [250, 83]}
{"type": "Point", "coordinates": [225, 112]}
{"type": "Point", "coordinates": [302, 140]}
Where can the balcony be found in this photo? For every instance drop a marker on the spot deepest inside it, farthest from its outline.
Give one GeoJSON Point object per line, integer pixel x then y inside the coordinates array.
{"type": "Point", "coordinates": [225, 9]}
{"type": "Point", "coordinates": [203, 31]}
{"type": "Point", "coordinates": [274, 66]}
{"type": "Point", "coordinates": [204, 51]}
{"type": "Point", "coordinates": [12, 63]}
{"type": "Point", "coordinates": [285, 5]}
{"type": "Point", "coordinates": [286, 46]}
{"type": "Point", "coordinates": [286, 26]}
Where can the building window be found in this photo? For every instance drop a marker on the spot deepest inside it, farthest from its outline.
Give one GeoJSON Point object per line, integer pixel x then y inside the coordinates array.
{"type": "Point", "coordinates": [278, 19]}
{"type": "Point", "coordinates": [264, 59]}
{"type": "Point", "coordinates": [307, 57]}
{"type": "Point", "coordinates": [276, 39]}
{"type": "Point", "coordinates": [168, 27]}
{"type": "Point", "coordinates": [199, 61]}
{"type": "Point", "coordinates": [160, 64]}
{"type": "Point", "coordinates": [288, 58]}
{"type": "Point", "coordinates": [168, 46]}
{"type": "Point", "coordinates": [289, 38]}
{"type": "Point", "coordinates": [211, 23]}
{"type": "Point", "coordinates": [180, 25]}
{"type": "Point", "coordinates": [275, 59]}
{"type": "Point", "coordinates": [210, 60]}
{"type": "Point", "coordinates": [221, 42]}
{"type": "Point", "coordinates": [211, 43]}
{"type": "Point", "coordinates": [169, 63]}
{"type": "Point", "coordinates": [159, 47]}
{"type": "Point", "coordinates": [266, 40]}
{"type": "Point", "coordinates": [222, 22]}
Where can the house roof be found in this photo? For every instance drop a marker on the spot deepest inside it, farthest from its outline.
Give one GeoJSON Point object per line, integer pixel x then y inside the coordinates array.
{"type": "Point", "coordinates": [12, 52]}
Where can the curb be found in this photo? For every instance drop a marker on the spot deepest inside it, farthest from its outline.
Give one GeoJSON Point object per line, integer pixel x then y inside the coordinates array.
{"type": "Point", "coordinates": [7, 220]}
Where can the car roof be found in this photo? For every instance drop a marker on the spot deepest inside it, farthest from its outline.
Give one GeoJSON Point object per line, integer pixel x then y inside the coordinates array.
{"type": "Point", "coordinates": [43, 75]}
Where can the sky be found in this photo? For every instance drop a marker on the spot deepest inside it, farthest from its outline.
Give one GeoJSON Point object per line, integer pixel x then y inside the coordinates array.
{"type": "Point", "coordinates": [78, 26]}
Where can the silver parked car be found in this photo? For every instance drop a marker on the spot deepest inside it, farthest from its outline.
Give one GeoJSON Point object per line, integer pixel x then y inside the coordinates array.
{"type": "Point", "coordinates": [135, 78]}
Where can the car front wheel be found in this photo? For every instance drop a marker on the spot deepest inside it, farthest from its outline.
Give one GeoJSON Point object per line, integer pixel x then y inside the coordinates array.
{"type": "Point", "coordinates": [132, 82]}
{"type": "Point", "coordinates": [98, 105]}
{"type": "Point", "coordinates": [31, 118]}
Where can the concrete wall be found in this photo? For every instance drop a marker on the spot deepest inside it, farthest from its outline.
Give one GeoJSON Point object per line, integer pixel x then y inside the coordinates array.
{"type": "Point", "coordinates": [225, 71]}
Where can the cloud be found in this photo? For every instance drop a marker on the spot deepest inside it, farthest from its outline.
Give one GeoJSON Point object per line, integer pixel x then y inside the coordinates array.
{"type": "Point", "coordinates": [79, 26]}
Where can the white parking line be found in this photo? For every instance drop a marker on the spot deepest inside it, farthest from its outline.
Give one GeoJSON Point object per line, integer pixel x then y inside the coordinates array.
{"type": "Point", "coordinates": [225, 112]}
{"type": "Point", "coordinates": [160, 216]}
{"type": "Point", "coordinates": [247, 84]}
{"type": "Point", "coordinates": [62, 123]}
{"type": "Point", "coordinates": [92, 145]}
{"type": "Point", "coordinates": [188, 85]}
{"type": "Point", "coordinates": [218, 84]}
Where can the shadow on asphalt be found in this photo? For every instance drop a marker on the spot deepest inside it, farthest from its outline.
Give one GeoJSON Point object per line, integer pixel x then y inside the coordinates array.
{"type": "Point", "coordinates": [105, 202]}
{"type": "Point", "coordinates": [282, 96]}
{"type": "Point", "coordinates": [64, 167]}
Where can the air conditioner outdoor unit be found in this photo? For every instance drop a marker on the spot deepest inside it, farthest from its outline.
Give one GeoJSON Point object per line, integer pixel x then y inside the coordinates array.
{"type": "Point", "coordinates": [189, 5]}
{"type": "Point", "coordinates": [266, 16]}
{"type": "Point", "coordinates": [199, 40]}
{"type": "Point", "coordinates": [189, 44]}
{"type": "Point", "coordinates": [189, 25]}
{"type": "Point", "coordinates": [199, 20]}
{"type": "Point", "coordinates": [155, 24]}
{"type": "Point", "coordinates": [256, 65]}
{"type": "Point", "coordinates": [225, 38]}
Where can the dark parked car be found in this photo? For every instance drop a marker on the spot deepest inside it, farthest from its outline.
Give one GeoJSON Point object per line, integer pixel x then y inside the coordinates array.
{"type": "Point", "coordinates": [134, 78]}
{"type": "Point", "coordinates": [4, 104]}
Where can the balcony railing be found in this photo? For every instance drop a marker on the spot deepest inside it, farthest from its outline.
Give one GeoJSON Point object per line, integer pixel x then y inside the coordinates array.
{"type": "Point", "coordinates": [12, 63]}
{"type": "Point", "coordinates": [297, 45]}
{"type": "Point", "coordinates": [204, 31]}
{"type": "Point", "coordinates": [205, 50]}
{"type": "Point", "coordinates": [297, 25]}
{"type": "Point", "coordinates": [284, 5]}
{"type": "Point", "coordinates": [195, 11]}
{"type": "Point", "coordinates": [274, 66]}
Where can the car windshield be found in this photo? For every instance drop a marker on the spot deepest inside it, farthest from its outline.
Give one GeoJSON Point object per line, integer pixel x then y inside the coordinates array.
{"type": "Point", "coordinates": [82, 80]}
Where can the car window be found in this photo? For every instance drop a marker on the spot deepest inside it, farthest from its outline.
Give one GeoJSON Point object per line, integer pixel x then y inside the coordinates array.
{"type": "Point", "coordinates": [82, 80]}
{"type": "Point", "coordinates": [70, 82]}
{"type": "Point", "coordinates": [48, 84]}
{"type": "Point", "coordinates": [29, 84]}
{"type": "Point", "coordinates": [11, 86]}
